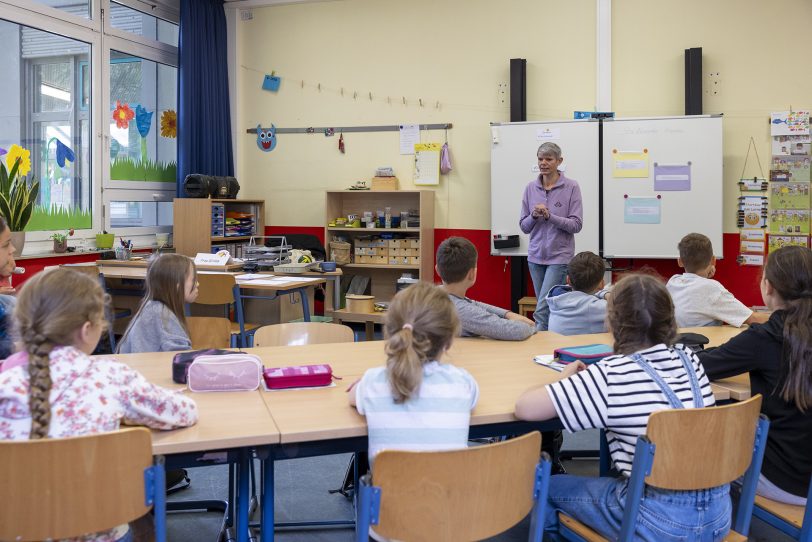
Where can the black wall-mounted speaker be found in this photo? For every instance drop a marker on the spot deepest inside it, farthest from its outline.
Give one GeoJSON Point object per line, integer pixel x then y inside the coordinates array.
{"type": "Point", "coordinates": [693, 81]}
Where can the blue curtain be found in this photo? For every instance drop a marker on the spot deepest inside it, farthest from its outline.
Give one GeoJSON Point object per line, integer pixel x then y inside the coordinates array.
{"type": "Point", "coordinates": [204, 121]}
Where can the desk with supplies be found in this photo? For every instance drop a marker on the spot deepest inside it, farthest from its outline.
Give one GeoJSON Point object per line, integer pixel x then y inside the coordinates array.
{"type": "Point", "coordinates": [309, 422]}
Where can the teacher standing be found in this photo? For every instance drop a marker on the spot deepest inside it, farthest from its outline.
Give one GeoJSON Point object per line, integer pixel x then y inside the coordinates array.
{"type": "Point", "coordinates": [552, 213]}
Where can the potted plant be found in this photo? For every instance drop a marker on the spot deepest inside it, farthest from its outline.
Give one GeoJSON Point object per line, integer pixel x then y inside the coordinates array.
{"type": "Point", "coordinates": [61, 241]}
{"type": "Point", "coordinates": [17, 196]}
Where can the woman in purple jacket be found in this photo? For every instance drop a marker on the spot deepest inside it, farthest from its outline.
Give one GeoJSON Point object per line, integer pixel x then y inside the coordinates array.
{"type": "Point", "coordinates": [552, 214]}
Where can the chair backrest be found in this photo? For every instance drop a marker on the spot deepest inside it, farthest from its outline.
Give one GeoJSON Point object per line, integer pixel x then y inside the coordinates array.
{"type": "Point", "coordinates": [467, 494]}
{"type": "Point", "coordinates": [302, 333]}
{"type": "Point", "coordinates": [215, 289]}
{"type": "Point", "coordinates": [64, 488]}
{"type": "Point", "coordinates": [704, 447]}
{"type": "Point", "coordinates": [209, 332]}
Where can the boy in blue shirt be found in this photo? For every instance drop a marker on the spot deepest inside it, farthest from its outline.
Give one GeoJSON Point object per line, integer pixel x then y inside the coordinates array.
{"type": "Point", "coordinates": [579, 306]}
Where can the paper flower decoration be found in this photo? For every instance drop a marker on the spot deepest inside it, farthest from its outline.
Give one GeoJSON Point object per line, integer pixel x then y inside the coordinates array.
{"type": "Point", "coordinates": [63, 154]}
{"type": "Point", "coordinates": [17, 153]}
{"type": "Point", "coordinates": [2, 151]}
{"type": "Point", "coordinates": [122, 114]}
{"type": "Point", "coordinates": [169, 124]}
{"type": "Point", "coordinates": [143, 119]}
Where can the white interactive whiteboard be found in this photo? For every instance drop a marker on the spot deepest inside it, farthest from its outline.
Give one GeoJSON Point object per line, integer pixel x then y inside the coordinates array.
{"type": "Point", "coordinates": [662, 179]}
{"type": "Point", "coordinates": [514, 164]}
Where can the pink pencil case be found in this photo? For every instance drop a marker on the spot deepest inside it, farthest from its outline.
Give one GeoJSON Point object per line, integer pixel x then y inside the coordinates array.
{"type": "Point", "coordinates": [230, 372]}
{"type": "Point", "coordinates": [302, 376]}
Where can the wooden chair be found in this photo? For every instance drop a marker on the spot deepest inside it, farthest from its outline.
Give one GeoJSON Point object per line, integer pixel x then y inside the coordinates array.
{"type": "Point", "coordinates": [695, 449]}
{"type": "Point", "coordinates": [302, 333]}
{"type": "Point", "coordinates": [66, 487]}
{"type": "Point", "coordinates": [209, 332]}
{"type": "Point", "coordinates": [218, 289]}
{"type": "Point", "coordinates": [792, 520]}
{"type": "Point", "coordinates": [467, 494]}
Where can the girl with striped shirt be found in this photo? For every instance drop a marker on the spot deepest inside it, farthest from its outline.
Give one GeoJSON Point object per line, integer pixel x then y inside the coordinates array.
{"type": "Point", "coordinates": [618, 394]}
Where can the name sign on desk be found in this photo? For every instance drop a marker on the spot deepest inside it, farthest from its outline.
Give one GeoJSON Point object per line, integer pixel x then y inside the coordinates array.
{"type": "Point", "coordinates": [221, 257]}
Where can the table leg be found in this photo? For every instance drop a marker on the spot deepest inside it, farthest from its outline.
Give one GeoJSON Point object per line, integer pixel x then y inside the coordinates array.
{"type": "Point", "coordinates": [305, 303]}
{"type": "Point", "coordinates": [243, 496]}
{"type": "Point", "coordinates": [370, 329]}
{"type": "Point", "coordinates": [337, 292]}
{"type": "Point", "coordinates": [267, 527]}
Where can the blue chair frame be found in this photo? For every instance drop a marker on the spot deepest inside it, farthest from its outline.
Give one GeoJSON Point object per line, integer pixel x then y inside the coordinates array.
{"type": "Point", "coordinates": [804, 534]}
{"type": "Point", "coordinates": [641, 468]}
{"type": "Point", "coordinates": [239, 296]}
{"type": "Point", "coordinates": [369, 504]}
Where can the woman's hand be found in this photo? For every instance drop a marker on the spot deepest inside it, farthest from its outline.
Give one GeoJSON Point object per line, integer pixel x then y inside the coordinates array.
{"type": "Point", "coordinates": [540, 210]}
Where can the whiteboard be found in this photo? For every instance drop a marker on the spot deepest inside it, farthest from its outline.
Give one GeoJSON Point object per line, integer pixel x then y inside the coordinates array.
{"type": "Point", "coordinates": [630, 225]}
{"type": "Point", "coordinates": [514, 165]}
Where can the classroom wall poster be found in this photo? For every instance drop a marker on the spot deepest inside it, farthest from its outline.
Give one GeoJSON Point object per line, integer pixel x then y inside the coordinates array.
{"type": "Point", "coordinates": [642, 210]}
{"type": "Point", "coordinates": [789, 196]}
{"type": "Point", "coordinates": [630, 164]}
{"type": "Point", "coordinates": [672, 177]}
{"type": "Point", "coordinates": [789, 221]}
{"type": "Point", "coordinates": [789, 123]}
{"type": "Point", "coordinates": [778, 241]}
{"type": "Point", "coordinates": [427, 163]}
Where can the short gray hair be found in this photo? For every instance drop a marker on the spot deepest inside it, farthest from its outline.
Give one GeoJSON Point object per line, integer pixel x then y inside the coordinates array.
{"type": "Point", "coordinates": [549, 148]}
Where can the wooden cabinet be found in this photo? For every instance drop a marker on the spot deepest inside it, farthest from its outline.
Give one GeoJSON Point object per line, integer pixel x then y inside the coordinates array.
{"type": "Point", "coordinates": [197, 227]}
{"type": "Point", "coordinates": [384, 254]}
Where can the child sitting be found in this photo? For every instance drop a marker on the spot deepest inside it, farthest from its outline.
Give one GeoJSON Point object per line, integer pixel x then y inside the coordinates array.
{"type": "Point", "coordinates": [580, 306]}
{"type": "Point", "coordinates": [7, 301]}
{"type": "Point", "coordinates": [457, 267]}
{"type": "Point", "coordinates": [416, 402]}
{"type": "Point", "coordinates": [53, 389]}
{"type": "Point", "coordinates": [160, 323]}
{"type": "Point", "coordinates": [698, 299]}
{"type": "Point", "coordinates": [619, 393]}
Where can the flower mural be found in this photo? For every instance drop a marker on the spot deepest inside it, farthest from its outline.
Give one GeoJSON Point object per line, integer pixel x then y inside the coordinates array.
{"type": "Point", "coordinates": [143, 120]}
{"type": "Point", "coordinates": [17, 153]}
{"type": "Point", "coordinates": [169, 124]}
{"type": "Point", "coordinates": [64, 154]}
{"type": "Point", "coordinates": [122, 114]}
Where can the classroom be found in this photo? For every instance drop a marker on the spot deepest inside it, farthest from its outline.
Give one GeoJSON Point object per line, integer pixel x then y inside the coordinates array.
{"type": "Point", "coordinates": [108, 106]}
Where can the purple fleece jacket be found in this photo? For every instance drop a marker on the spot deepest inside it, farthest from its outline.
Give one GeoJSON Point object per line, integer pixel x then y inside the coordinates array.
{"type": "Point", "coordinates": [552, 241]}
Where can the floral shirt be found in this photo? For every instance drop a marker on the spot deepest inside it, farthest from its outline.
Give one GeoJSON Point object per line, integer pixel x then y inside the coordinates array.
{"type": "Point", "coordinates": [91, 396]}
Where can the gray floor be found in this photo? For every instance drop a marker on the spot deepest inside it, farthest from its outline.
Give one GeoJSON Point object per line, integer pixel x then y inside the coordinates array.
{"type": "Point", "coordinates": [302, 495]}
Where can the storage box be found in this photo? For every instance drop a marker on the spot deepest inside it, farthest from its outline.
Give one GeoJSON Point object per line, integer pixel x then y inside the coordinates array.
{"type": "Point", "coordinates": [414, 243]}
{"type": "Point", "coordinates": [360, 303]}
{"type": "Point", "coordinates": [384, 183]}
{"type": "Point", "coordinates": [396, 243]}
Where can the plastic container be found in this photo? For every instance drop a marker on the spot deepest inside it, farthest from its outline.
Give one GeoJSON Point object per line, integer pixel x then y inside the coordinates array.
{"type": "Point", "coordinates": [405, 281]}
{"type": "Point", "coordinates": [328, 266]}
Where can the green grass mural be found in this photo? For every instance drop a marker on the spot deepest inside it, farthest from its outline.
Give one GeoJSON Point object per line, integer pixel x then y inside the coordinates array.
{"type": "Point", "coordinates": [59, 218]}
{"type": "Point", "coordinates": [125, 168]}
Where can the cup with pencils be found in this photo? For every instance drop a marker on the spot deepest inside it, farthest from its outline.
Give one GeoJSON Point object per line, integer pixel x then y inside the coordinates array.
{"type": "Point", "coordinates": [124, 250]}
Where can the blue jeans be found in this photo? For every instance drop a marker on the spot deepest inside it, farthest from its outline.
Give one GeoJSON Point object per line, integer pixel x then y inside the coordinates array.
{"type": "Point", "coordinates": [698, 516]}
{"type": "Point", "coordinates": [545, 277]}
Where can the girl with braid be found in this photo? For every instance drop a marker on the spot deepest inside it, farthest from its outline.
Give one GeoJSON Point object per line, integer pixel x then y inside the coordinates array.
{"type": "Point", "coordinates": [416, 402]}
{"type": "Point", "coordinates": [53, 389]}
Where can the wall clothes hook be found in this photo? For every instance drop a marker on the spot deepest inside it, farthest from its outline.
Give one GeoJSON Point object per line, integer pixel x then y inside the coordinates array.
{"type": "Point", "coordinates": [354, 94]}
{"type": "Point", "coordinates": [342, 91]}
{"type": "Point", "coordinates": [370, 95]}
{"type": "Point", "coordinates": [404, 100]}
{"type": "Point", "coordinates": [302, 83]}
{"type": "Point", "coordinates": [437, 105]}
{"type": "Point", "coordinates": [420, 100]}
{"type": "Point", "coordinates": [319, 87]}
{"type": "Point", "coordinates": [389, 100]}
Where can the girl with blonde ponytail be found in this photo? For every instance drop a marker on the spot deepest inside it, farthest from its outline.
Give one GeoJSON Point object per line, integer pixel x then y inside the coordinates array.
{"type": "Point", "coordinates": [416, 402]}
{"type": "Point", "coordinates": [53, 389]}
{"type": "Point", "coordinates": [778, 357]}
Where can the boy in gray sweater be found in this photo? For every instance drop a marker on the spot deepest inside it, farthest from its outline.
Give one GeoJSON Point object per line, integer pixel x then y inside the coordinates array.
{"type": "Point", "coordinates": [579, 306]}
{"type": "Point", "coordinates": [457, 267]}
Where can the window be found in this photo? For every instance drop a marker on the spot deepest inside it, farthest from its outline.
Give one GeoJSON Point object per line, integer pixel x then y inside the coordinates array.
{"type": "Point", "coordinates": [90, 90]}
{"type": "Point", "coordinates": [143, 95]}
{"type": "Point", "coordinates": [45, 116]}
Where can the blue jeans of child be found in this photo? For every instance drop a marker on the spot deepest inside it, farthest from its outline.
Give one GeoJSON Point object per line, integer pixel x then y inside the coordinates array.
{"type": "Point", "coordinates": [697, 516]}
{"type": "Point", "coordinates": [545, 277]}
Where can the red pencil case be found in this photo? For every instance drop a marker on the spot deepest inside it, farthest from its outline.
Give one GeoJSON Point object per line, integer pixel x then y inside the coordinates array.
{"type": "Point", "coordinates": [301, 376]}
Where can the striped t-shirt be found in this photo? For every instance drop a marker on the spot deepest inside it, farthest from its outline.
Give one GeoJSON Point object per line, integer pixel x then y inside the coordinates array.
{"type": "Point", "coordinates": [617, 395]}
{"type": "Point", "coordinates": [435, 418]}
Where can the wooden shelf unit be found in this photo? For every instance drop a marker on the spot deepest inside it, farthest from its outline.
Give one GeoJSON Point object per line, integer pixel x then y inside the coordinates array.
{"type": "Point", "coordinates": [193, 225]}
{"type": "Point", "coordinates": [383, 278]}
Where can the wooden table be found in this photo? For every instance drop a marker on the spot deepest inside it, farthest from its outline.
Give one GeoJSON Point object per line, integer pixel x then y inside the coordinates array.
{"type": "Point", "coordinates": [236, 422]}
{"type": "Point", "coordinates": [368, 318]}
{"type": "Point", "coordinates": [291, 288]}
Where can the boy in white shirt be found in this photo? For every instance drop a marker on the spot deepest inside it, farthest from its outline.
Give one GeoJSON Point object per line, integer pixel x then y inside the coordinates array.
{"type": "Point", "coordinates": [698, 299]}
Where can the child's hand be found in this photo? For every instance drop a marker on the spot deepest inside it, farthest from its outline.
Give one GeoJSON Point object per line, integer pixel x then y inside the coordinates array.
{"type": "Point", "coordinates": [519, 318]}
{"type": "Point", "coordinates": [5, 286]}
{"type": "Point", "coordinates": [575, 367]}
{"type": "Point", "coordinates": [351, 386]}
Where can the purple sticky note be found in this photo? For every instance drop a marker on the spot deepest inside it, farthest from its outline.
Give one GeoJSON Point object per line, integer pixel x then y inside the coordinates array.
{"type": "Point", "coordinates": [672, 177]}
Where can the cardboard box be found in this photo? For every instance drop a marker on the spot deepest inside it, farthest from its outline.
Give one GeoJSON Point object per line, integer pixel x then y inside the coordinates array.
{"type": "Point", "coordinates": [415, 260]}
{"type": "Point", "coordinates": [384, 183]}
{"type": "Point", "coordinates": [414, 243]}
{"type": "Point", "coordinates": [367, 243]}
{"type": "Point", "coordinates": [396, 243]}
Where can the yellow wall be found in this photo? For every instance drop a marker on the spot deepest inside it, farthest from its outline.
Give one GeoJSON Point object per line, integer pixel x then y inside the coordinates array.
{"type": "Point", "coordinates": [451, 51]}
{"type": "Point", "coordinates": [457, 51]}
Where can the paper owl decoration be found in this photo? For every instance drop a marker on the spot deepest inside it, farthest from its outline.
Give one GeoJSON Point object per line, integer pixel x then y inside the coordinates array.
{"type": "Point", "coordinates": [266, 138]}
